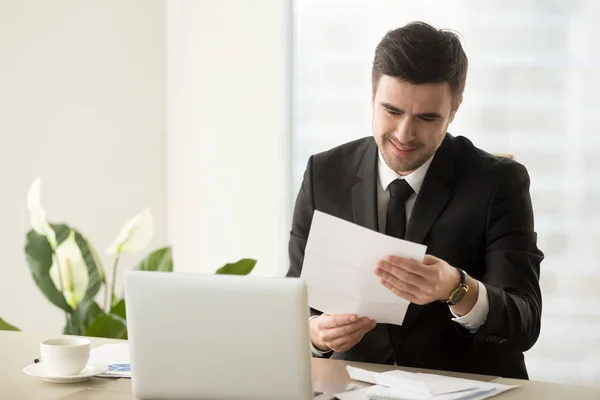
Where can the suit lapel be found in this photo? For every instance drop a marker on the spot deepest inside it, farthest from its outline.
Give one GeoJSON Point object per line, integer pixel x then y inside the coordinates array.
{"type": "Point", "coordinates": [364, 190]}
{"type": "Point", "coordinates": [435, 194]}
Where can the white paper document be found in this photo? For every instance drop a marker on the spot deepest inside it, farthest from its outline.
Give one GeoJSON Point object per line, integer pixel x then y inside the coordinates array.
{"type": "Point", "coordinates": [116, 356]}
{"type": "Point", "coordinates": [339, 269]}
{"type": "Point", "coordinates": [400, 385]}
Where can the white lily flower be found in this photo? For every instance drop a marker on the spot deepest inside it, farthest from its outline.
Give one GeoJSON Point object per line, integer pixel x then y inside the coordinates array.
{"type": "Point", "coordinates": [37, 215]}
{"type": "Point", "coordinates": [72, 270]}
{"type": "Point", "coordinates": [135, 234]}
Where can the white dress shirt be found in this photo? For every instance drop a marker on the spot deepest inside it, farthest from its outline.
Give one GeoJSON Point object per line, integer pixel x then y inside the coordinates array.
{"type": "Point", "coordinates": [478, 314]}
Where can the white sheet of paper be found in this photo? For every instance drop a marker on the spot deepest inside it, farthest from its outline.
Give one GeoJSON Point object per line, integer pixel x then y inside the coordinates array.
{"type": "Point", "coordinates": [339, 269]}
{"type": "Point", "coordinates": [372, 392]}
{"type": "Point", "coordinates": [439, 384]}
{"type": "Point", "coordinates": [377, 392]}
{"type": "Point", "coordinates": [407, 385]}
{"type": "Point", "coordinates": [116, 356]}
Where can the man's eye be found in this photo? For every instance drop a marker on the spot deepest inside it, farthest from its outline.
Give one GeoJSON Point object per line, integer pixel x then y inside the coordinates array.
{"type": "Point", "coordinates": [428, 119]}
{"type": "Point", "coordinates": [392, 112]}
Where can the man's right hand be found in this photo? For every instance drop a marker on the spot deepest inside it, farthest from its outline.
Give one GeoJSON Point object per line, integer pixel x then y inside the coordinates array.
{"type": "Point", "coordinates": [339, 332]}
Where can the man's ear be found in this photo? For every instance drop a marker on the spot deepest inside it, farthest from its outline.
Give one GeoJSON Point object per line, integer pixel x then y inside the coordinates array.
{"type": "Point", "coordinates": [455, 109]}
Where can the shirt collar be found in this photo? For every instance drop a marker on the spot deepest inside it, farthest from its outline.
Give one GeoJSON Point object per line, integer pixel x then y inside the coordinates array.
{"type": "Point", "coordinates": [414, 179]}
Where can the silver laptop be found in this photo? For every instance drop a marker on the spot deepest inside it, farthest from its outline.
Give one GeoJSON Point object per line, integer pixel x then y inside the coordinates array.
{"type": "Point", "coordinates": [197, 336]}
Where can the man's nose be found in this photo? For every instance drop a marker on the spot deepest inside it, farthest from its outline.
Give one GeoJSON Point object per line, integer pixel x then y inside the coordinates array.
{"type": "Point", "coordinates": [404, 131]}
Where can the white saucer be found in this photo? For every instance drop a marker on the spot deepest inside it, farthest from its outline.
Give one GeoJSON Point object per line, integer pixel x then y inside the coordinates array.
{"type": "Point", "coordinates": [87, 372]}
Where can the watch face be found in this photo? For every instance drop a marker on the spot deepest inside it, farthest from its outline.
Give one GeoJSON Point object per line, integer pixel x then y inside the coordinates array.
{"type": "Point", "coordinates": [457, 295]}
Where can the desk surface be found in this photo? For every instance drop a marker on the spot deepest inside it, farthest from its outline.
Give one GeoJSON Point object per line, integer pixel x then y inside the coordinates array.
{"type": "Point", "coordinates": [18, 350]}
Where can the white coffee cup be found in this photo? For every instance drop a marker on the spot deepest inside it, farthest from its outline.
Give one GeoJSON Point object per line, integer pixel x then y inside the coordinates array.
{"type": "Point", "coordinates": [65, 356]}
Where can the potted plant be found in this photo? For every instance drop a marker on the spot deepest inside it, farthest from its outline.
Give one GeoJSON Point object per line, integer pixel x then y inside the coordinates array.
{"type": "Point", "coordinates": [67, 269]}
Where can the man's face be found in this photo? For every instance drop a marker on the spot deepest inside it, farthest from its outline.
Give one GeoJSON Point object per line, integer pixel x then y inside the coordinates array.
{"type": "Point", "coordinates": [410, 121]}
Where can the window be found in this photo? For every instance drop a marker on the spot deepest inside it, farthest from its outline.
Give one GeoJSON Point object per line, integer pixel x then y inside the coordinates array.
{"type": "Point", "coordinates": [532, 91]}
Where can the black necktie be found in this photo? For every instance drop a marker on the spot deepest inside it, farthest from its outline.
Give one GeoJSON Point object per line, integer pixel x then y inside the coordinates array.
{"type": "Point", "coordinates": [395, 220]}
{"type": "Point", "coordinates": [395, 225]}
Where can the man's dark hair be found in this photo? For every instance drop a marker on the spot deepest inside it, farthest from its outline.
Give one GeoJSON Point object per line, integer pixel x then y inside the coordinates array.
{"type": "Point", "coordinates": [418, 53]}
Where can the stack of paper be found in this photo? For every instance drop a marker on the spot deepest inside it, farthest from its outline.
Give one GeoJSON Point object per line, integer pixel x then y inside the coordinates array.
{"type": "Point", "coordinates": [339, 269]}
{"type": "Point", "coordinates": [400, 385]}
{"type": "Point", "coordinates": [116, 356]}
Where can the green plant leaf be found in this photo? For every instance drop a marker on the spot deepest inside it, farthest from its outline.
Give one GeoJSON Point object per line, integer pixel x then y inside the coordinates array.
{"type": "Point", "coordinates": [95, 279]}
{"type": "Point", "coordinates": [61, 231]}
{"type": "Point", "coordinates": [118, 309]}
{"type": "Point", "coordinates": [98, 263]}
{"type": "Point", "coordinates": [108, 326]}
{"type": "Point", "coordinates": [158, 260]}
{"type": "Point", "coordinates": [87, 313]}
{"type": "Point", "coordinates": [79, 321]}
{"type": "Point", "coordinates": [74, 325]}
{"type": "Point", "coordinates": [5, 326]}
{"type": "Point", "coordinates": [242, 267]}
{"type": "Point", "coordinates": [39, 259]}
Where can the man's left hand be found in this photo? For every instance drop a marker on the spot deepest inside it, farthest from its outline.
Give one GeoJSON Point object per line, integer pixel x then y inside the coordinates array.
{"type": "Point", "coordinates": [419, 283]}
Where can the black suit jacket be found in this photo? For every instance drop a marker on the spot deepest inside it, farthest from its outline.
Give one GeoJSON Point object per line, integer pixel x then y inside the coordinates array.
{"type": "Point", "coordinates": [473, 211]}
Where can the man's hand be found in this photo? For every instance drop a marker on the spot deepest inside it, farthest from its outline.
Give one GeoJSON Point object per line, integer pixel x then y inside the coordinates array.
{"type": "Point", "coordinates": [418, 283]}
{"type": "Point", "coordinates": [338, 332]}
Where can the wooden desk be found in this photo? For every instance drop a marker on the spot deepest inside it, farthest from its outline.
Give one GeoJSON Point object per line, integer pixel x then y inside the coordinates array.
{"type": "Point", "coordinates": [18, 350]}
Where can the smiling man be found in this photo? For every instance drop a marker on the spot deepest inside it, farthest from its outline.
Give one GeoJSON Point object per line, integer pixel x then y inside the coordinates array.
{"type": "Point", "coordinates": [475, 297]}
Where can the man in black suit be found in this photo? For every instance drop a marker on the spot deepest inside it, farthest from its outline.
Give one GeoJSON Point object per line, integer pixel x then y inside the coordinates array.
{"type": "Point", "coordinates": [475, 297]}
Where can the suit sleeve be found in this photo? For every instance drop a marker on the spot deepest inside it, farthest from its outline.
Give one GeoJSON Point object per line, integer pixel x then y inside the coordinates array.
{"type": "Point", "coordinates": [512, 264]}
{"type": "Point", "coordinates": [301, 221]}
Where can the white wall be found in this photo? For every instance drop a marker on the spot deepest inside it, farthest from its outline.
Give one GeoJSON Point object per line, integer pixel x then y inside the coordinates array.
{"type": "Point", "coordinates": [82, 102]}
{"type": "Point", "coordinates": [228, 118]}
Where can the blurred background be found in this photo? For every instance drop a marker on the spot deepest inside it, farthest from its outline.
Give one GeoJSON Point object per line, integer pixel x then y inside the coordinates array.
{"type": "Point", "coordinates": [207, 111]}
{"type": "Point", "coordinates": [532, 91]}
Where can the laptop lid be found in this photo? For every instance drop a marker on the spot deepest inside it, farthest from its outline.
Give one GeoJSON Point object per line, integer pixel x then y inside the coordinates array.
{"type": "Point", "coordinates": [217, 336]}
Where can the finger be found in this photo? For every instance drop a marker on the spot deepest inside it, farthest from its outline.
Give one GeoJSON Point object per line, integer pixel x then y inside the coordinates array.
{"type": "Point", "coordinates": [401, 274]}
{"type": "Point", "coordinates": [333, 321]}
{"type": "Point", "coordinates": [397, 260]}
{"type": "Point", "coordinates": [402, 262]}
{"type": "Point", "coordinates": [346, 342]}
{"type": "Point", "coordinates": [331, 334]}
{"type": "Point", "coordinates": [429, 260]}
{"type": "Point", "coordinates": [408, 265]}
{"type": "Point", "coordinates": [398, 283]}
{"type": "Point", "coordinates": [370, 326]}
{"type": "Point", "coordinates": [401, 293]}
